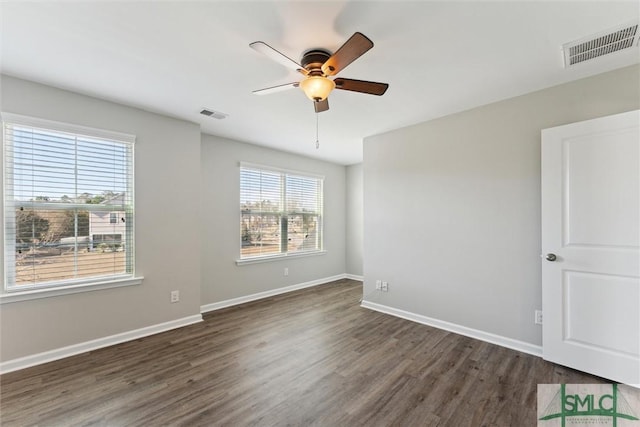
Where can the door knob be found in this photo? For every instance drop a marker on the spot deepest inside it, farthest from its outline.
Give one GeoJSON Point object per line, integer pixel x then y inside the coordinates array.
{"type": "Point", "coordinates": [551, 257]}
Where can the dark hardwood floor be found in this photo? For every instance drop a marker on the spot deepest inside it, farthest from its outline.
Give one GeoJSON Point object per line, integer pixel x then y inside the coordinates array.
{"type": "Point", "coordinates": [310, 357]}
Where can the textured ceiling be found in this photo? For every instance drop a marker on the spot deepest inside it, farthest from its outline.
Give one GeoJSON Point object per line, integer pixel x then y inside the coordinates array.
{"type": "Point", "coordinates": [176, 57]}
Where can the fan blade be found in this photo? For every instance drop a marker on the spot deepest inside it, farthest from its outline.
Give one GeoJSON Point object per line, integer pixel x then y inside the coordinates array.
{"type": "Point", "coordinates": [283, 59]}
{"type": "Point", "coordinates": [351, 50]}
{"type": "Point", "coordinates": [321, 106]}
{"type": "Point", "coordinates": [274, 89]}
{"type": "Point", "coordinates": [373, 88]}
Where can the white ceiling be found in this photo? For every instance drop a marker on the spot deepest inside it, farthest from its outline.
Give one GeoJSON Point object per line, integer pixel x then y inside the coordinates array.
{"type": "Point", "coordinates": [176, 57]}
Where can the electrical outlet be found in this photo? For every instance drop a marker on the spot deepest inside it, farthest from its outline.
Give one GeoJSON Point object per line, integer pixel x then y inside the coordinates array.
{"type": "Point", "coordinates": [538, 317]}
{"type": "Point", "coordinates": [385, 286]}
{"type": "Point", "coordinates": [378, 285]}
{"type": "Point", "coordinates": [175, 296]}
{"type": "Point", "coordinates": [286, 271]}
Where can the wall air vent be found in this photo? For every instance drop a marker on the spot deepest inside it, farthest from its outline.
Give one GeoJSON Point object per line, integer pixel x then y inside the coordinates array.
{"type": "Point", "coordinates": [215, 114]}
{"type": "Point", "coordinates": [604, 43]}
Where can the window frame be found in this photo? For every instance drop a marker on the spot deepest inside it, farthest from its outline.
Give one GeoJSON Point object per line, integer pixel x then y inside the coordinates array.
{"type": "Point", "coordinates": [283, 215]}
{"type": "Point", "coordinates": [12, 292]}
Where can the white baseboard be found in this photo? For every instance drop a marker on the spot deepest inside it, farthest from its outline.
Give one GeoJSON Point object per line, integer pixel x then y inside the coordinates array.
{"type": "Point", "coordinates": [260, 295]}
{"type": "Point", "coordinates": [60, 353]}
{"type": "Point", "coordinates": [354, 277]}
{"type": "Point", "coordinates": [522, 346]}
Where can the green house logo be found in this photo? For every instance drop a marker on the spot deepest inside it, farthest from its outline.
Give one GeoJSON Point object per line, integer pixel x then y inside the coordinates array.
{"type": "Point", "coordinates": [586, 404]}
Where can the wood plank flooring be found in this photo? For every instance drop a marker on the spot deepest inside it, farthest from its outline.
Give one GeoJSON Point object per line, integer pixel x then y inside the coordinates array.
{"type": "Point", "coordinates": [310, 357]}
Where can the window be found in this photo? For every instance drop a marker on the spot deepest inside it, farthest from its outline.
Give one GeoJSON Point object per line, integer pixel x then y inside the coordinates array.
{"type": "Point", "coordinates": [281, 212]}
{"type": "Point", "coordinates": [68, 204]}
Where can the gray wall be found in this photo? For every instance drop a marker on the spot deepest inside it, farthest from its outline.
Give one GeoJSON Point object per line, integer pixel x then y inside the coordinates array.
{"type": "Point", "coordinates": [451, 215]}
{"type": "Point", "coordinates": [167, 191]}
{"type": "Point", "coordinates": [187, 186]}
{"type": "Point", "coordinates": [452, 206]}
{"type": "Point", "coordinates": [222, 279]}
{"type": "Point", "coordinates": [355, 217]}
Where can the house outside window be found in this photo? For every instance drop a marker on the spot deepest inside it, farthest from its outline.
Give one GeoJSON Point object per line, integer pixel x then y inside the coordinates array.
{"type": "Point", "coordinates": [63, 187]}
{"type": "Point", "coordinates": [280, 212]}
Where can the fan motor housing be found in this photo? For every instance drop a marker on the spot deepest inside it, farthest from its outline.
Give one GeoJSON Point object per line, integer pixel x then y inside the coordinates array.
{"type": "Point", "coordinates": [313, 59]}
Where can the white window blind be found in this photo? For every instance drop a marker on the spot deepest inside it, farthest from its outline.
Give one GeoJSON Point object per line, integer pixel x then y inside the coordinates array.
{"type": "Point", "coordinates": [281, 212]}
{"type": "Point", "coordinates": [68, 205]}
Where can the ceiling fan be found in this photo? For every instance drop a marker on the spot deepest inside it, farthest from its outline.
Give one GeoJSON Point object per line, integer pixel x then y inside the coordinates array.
{"type": "Point", "coordinates": [317, 65]}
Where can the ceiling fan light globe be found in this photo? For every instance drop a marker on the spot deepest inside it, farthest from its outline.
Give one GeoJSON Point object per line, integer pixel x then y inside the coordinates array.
{"type": "Point", "coordinates": [317, 88]}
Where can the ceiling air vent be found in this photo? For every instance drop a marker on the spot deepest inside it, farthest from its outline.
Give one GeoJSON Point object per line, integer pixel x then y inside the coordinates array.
{"type": "Point", "coordinates": [215, 114]}
{"type": "Point", "coordinates": [600, 44]}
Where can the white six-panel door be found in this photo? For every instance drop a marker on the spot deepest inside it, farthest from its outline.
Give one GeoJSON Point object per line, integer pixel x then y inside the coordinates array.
{"type": "Point", "coordinates": [591, 225]}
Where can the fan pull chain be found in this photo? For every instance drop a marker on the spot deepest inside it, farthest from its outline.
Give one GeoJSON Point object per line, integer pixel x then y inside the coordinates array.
{"type": "Point", "coordinates": [317, 138]}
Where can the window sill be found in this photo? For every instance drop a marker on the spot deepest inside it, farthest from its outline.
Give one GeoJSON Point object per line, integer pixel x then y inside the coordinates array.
{"type": "Point", "coordinates": [279, 257]}
{"type": "Point", "coordinates": [12, 296]}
